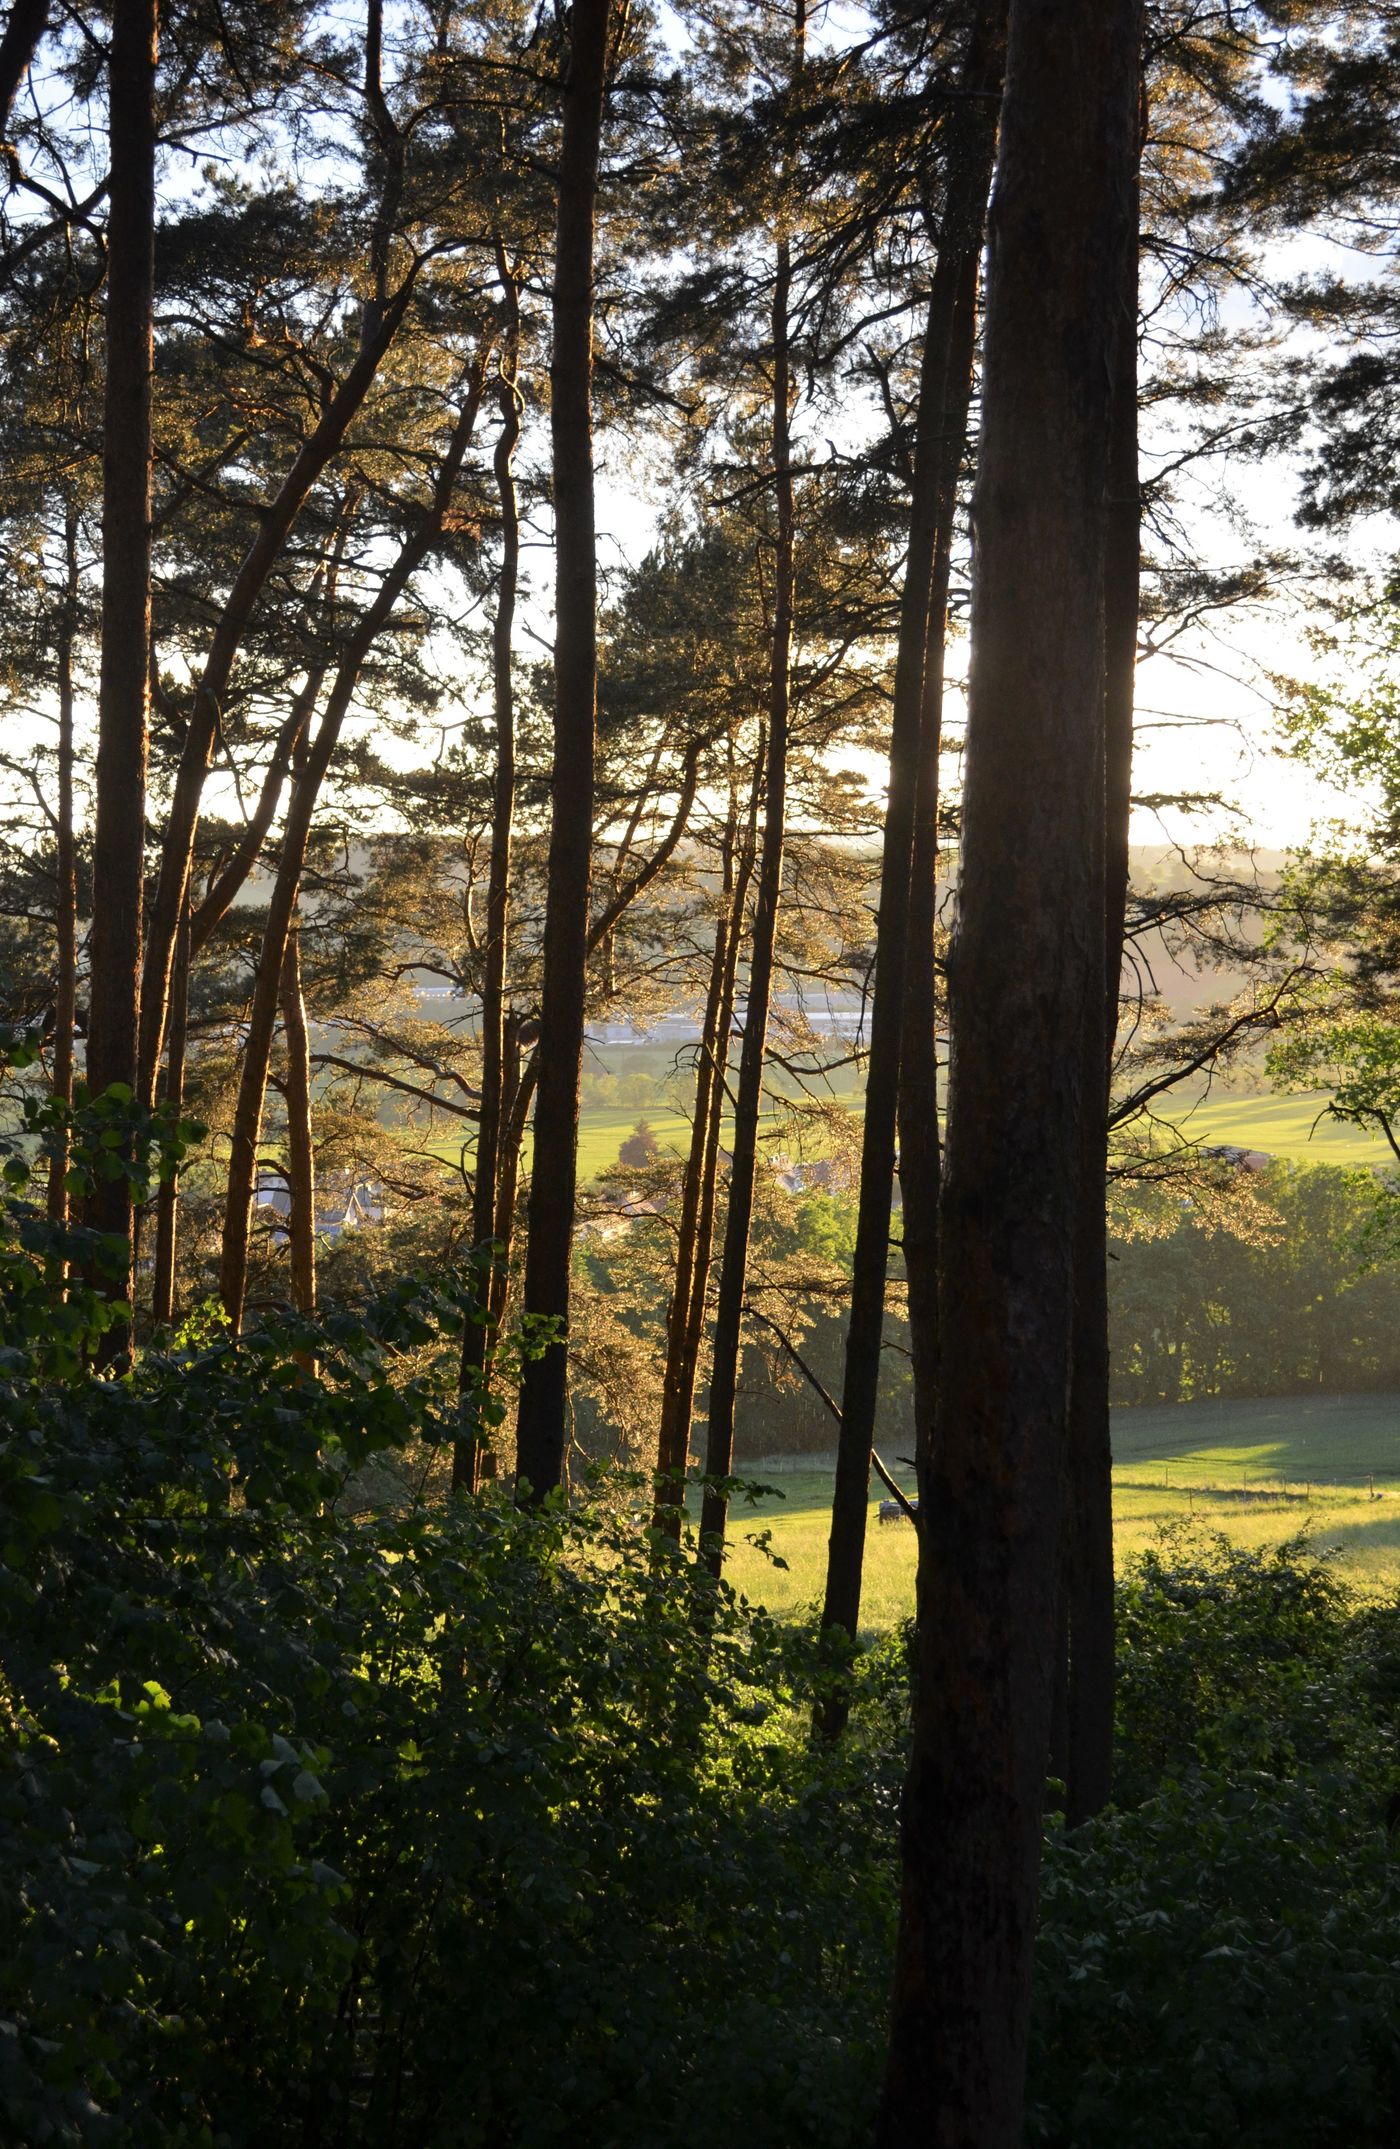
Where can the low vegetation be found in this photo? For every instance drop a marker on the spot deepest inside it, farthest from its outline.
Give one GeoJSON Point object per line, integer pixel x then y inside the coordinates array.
{"type": "Point", "coordinates": [441, 1823]}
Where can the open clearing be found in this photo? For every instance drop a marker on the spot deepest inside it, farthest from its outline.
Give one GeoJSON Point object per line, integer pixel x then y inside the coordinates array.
{"type": "Point", "coordinates": [1294, 1128]}
{"type": "Point", "coordinates": [1259, 1470]}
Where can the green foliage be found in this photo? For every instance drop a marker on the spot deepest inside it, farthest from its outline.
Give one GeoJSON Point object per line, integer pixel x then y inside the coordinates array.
{"type": "Point", "coordinates": [1304, 1296]}
{"type": "Point", "coordinates": [434, 1825]}
{"type": "Point", "coordinates": [1218, 1956]}
{"type": "Point", "coordinates": [330, 1824]}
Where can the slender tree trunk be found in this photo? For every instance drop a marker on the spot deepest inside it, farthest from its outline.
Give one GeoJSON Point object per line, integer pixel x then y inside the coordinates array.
{"type": "Point", "coordinates": [201, 920]}
{"type": "Point", "coordinates": [686, 1313]}
{"type": "Point", "coordinates": [540, 1434]}
{"type": "Point", "coordinates": [517, 1095]}
{"type": "Point", "coordinates": [122, 728]}
{"type": "Point", "coordinates": [65, 1008]}
{"type": "Point", "coordinates": [476, 1343]}
{"type": "Point", "coordinates": [28, 20]}
{"type": "Point", "coordinates": [970, 151]}
{"type": "Point", "coordinates": [306, 789]}
{"type": "Point", "coordinates": [920, 1148]}
{"type": "Point", "coordinates": [1089, 1491]}
{"type": "Point", "coordinates": [173, 1092]}
{"type": "Point", "coordinates": [224, 888]}
{"type": "Point", "coordinates": [1026, 968]}
{"type": "Point", "coordinates": [733, 1276]}
{"type": "Point", "coordinates": [273, 529]}
{"type": "Point", "coordinates": [301, 1154]}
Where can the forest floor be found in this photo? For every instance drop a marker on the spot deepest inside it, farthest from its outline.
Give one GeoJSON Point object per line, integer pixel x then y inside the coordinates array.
{"type": "Point", "coordinates": [1261, 1471]}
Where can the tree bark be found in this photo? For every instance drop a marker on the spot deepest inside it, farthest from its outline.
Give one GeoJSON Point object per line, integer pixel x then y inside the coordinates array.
{"type": "Point", "coordinates": [733, 1275]}
{"type": "Point", "coordinates": [685, 1319]}
{"type": "Point", "coordinates": [476, 1342]}
{"type": "Point", "coordinates": [540, 1435]}
{"type": "Point", "coordinates": [28, 20]}
{"type": "Point", "coordinates": [122, 709]}
{"type": "Point", "coordinates": [920, 1147]}
{"type": "Point", "coordinates": [301, 1154]}
{"type": "Point", "coordinates": [173, 1093]}
{"type": "Point", "coordinates": [1089, 1485]}
{"type": "Point", "coordinates": [1026, 969]}
{"type": "Point", "coordinates": [940, 416]}
{"type": "Point", "coordinates": [65, 1007]}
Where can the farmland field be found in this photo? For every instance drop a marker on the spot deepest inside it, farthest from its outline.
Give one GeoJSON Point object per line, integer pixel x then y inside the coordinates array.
{"type": "Point", "coordinates": [1259, 1470]}
{"type": "Point", "coordinates": [1291, 1127]}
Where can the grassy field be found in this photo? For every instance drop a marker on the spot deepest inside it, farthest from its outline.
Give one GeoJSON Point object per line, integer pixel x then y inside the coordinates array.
{"type": "Point", "coordinates": [1261, 1471]}
{"type": "Point", "coordinates": [1282, 1126]}
{"type": "Point", "coordinates": [1286, 1127]}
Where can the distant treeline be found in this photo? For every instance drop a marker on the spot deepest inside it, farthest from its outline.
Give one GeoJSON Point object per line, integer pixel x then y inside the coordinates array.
{"type": "Point", "coordinates": [1293, 1285]}
{"type": "Point", "coordinates": [1301, 1292]}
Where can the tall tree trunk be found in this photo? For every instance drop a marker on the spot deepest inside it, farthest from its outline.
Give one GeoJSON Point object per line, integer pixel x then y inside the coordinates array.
{"type": "Point", "coordinates": [173, 1094]}
{"type": "Point", "coordinates": [65, 1007]}
{"type": "Point", "coordinates": [685, 1319]}
{"type": "Point", "coordinates": [1026, 968]}
{"type": "Point", "coordinates": [971, 145]}
{"type": "Point", "coordinates": [306, 789]}
{"type": "Point", "coordinates": [301, 1154]}
{"type": "Point", "coordinates": [540, 1433]}
{"type": "Point", "coordinates": [122, 727]}
{"type": "Point", "coordinates": [733, 1275]}
{"type": "Point", "coordinates": [920, 1149]}
{"type": "Point", "coordinates": [1089, 1484]}
{"type": "Point", "coordinates": [476, 1343]}
{"type": "Point", "coordinates": [27, 22]}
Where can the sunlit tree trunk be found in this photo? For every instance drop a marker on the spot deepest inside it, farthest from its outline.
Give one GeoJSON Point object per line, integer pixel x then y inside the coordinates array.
{"type": "Point", "coordinates": [25, 25]}
{"type": "Point", "coordinates": [476, 1342]}
{"type": "Point", "coordinates": [939, 423]}
{"type": "Point", "coordinates": [748, 1102]}
{"type": "Point", "coordinates": [920, 1148]}
{"type": "Point", "coordinates": [541, 1428]}
{"type": "Point", "coordinates": [1089, 1532]}
{"type": "Point", "coordinates": [65, 1008]}
{"type": "Point", "coordinates": [685, 1321]}
{"type": "Point", "coordinates": [122, 728]}
{"type": "Point", "coordinates": [301, 1153]}
{"type": "Point", "coordinates": [1026, 970]}
{"type": "Point", "coordinates": [173, 1095]}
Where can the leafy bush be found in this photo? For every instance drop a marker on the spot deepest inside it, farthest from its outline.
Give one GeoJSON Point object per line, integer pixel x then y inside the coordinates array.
{"type": "Point", "coordinates": [1220, 1957]}
{"type": "Point", "coordinates": [433, 1824]}
{"type": "Point", "coordinates": [342, 1827]}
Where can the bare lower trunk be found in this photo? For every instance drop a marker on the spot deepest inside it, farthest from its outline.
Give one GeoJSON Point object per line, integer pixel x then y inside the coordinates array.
{"type": "Point", "coordinates": [65, 1007]}
{"type": "Point", "coordinates": [540, 1437]}
{"type": "Point", "coordinates": [301, 1154]}
{"type": "Point", "coordinates": [685, 1319]}
{"type": "Point", "coordinates": [120, 827]}
{"type": "Point", "coordinates": [1089, 1488]}
{"type": "Point", "coordinates": [940, 422]}
{"type": "Point", "coordinates": [733, 1277]}
{"type": "Point", "coordinates": [476, 1342]}
{"type": "Point", "coordinates": [1026, 969]}
{"type": "Point", "coordinates": [173, 1093]}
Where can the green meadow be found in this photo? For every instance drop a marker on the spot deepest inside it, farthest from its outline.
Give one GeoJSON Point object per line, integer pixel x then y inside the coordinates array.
{"type": "Point", "coordinates": [1295, 1128]}
{"type": "Point", "coordinates": [1260, 1471]}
